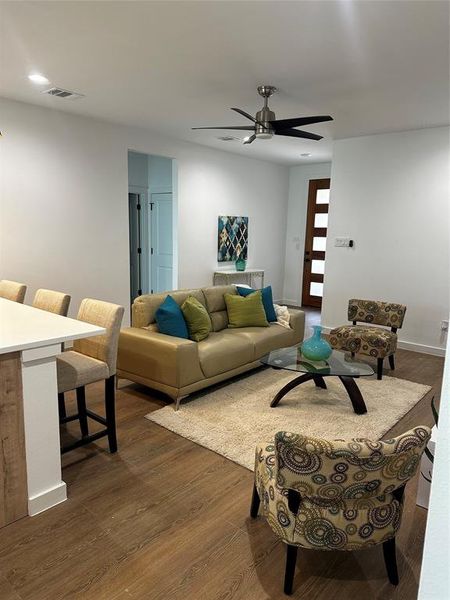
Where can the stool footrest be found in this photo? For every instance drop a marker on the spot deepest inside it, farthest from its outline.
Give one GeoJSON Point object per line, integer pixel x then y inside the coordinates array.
{"type": "Point", "coordinates": [96, 417]}
{"type": "Point", "coordinates": [84, 440]}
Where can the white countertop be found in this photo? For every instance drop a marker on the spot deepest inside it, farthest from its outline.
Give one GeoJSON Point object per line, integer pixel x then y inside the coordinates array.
{"type": "Point", "coordinates": [23, 327]}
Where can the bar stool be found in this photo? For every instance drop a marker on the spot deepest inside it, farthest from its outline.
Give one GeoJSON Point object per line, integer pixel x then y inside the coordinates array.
{"type": "Point", "coordinates": [92, 359]}
{"type": "Point", "coordinates": [11, 290]}
{"type": "Point", "coordinates": [51, 301]}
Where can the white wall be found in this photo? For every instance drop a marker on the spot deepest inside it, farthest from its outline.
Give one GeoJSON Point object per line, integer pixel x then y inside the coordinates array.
{"type": "Point", "coordinates": [64, 204]}
{"type": "Point", "coordinates": [296, 225]}
{"type": "Point", "coordinates": [390, 193]}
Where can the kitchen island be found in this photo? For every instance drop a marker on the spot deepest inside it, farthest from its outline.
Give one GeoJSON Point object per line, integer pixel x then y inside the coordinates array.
{"type": "Point", "coordinates": [30, 461]}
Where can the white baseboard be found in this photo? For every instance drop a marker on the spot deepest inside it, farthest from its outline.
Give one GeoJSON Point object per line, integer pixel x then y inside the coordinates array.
{"type": "Point", "coordinates": [411, 346]}
{"type": "Point", "coordinates": [289, 302]}
{"type": "Point", "coordinates": [47, 499]}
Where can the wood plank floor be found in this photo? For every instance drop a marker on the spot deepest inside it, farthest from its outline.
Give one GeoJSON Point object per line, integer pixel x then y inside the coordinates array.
{"type": "Point", "coordinates": [166, 519]}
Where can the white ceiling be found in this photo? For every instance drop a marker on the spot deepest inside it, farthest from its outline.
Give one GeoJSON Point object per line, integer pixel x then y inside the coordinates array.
{"type": "Point", "coordinates": [167, 66]}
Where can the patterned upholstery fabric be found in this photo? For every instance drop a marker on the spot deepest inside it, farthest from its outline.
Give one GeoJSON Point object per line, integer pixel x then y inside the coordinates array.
{"type": "Point", "coordinates": [372, 341]}
{"type": "Point", "coordinates": [376, 312]}
{"type": "Point", "coordinates": [345, 487]}
{"type": "Point", "coordinates": [55, 302]}
{"type": "Point", "coordinates": [11, 290]}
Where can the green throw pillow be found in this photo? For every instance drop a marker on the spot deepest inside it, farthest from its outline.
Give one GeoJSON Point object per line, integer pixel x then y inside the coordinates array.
{"type": "Point", "coordinates": [246, 311]}
{"type": "Point", "coordinates": [197, 319]}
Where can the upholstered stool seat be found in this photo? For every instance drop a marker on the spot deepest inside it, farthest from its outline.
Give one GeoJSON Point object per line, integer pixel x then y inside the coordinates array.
{"type": "Point", "coordinates": [378, 342]}
{"type": "Point", "coordinates": [374, 341]}
{"type": "Point", "coordinates": [76, 370]}
{"type": "Point", "coordinates": [91, 360]}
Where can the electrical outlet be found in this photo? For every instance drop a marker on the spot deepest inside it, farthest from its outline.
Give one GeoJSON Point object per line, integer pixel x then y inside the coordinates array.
{"type": "Point", "coordinates": [444, 325]}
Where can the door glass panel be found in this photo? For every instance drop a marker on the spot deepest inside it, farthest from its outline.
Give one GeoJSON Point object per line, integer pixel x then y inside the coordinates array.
{"type": "Point", "coordinates": [319, 244]}
{"type": "Point", "coordinates": [323, 197]}
{"type": "Point", "coordinates": [321, 220]}
{"type": "Point", "coordinates": [316, 289]}
{"type": "Point", "coordinates": [318, 267]}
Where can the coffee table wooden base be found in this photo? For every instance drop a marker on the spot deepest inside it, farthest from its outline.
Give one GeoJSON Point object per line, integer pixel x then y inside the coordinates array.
{"type": "Point", "coordinates": [349, 383]}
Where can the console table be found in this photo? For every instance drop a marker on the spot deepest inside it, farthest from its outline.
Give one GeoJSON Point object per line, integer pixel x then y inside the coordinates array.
{"type": "Point", "coordinates": [252, 277]}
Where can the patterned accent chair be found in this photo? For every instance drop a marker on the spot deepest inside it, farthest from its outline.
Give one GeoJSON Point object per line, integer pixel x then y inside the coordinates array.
{"type": "Point", "coordinates": [335, 495]}
{"type": "Point", "coordinates": [372, 341]}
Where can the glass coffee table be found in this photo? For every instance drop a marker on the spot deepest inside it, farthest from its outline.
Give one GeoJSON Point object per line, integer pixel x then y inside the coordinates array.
{"type": "Point", "coordinates": [339, 364]}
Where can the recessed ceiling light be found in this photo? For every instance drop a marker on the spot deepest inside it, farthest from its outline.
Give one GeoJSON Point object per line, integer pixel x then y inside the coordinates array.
{"type": "Point", "coordinates": [38, 78]}
{"type": "Point", "coordinates": [305, 154]}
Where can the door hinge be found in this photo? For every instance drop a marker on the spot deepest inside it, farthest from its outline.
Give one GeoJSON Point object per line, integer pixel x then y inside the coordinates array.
{"type": "Point", "coordinates": [138, 206]}
{"type": "Point", "coordinates": [151, 205]}
{"type": "Point", "coordinates": [151, 291]}
{"type": "Point", "coordinates": [139, 292]}
{"type": "Point", "coordinates": [151, 251]}
{"type": "Point", "coordinates": [139, 250]}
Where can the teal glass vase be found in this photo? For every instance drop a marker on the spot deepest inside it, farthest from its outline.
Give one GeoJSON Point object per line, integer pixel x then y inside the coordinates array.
{"type": "Point", "coordinates": [315, 347]}
{"type": "Point", "coordinates": [240, 264]}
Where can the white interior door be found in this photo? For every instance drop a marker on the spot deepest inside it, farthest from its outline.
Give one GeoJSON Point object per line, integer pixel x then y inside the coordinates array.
{"type": "Point", "coordinates": [161, 241]}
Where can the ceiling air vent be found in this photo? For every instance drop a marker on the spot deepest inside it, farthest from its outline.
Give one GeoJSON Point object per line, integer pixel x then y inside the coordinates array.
{"type": "Point", "coordinates": [60, 93]}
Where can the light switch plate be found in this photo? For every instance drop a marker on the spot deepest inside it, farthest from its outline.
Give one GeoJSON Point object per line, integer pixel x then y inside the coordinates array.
{"type": "Point", "coordinates": [342, 242]}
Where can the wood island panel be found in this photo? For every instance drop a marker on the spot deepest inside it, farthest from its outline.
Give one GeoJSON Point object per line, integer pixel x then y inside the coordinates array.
{"type": "Point", "coordinates": [13, 472]}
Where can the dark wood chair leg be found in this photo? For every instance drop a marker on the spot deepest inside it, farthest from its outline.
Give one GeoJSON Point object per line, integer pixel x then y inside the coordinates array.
{"type": "Point", "coordinates": [82, 414]}
{"type": "Point", "coordinates": [61, 406]}
{"type": "Point", "coordinates": [390, 560]}
{"type": "Point", "coordinates": [254, 507]}
{"type": "Point", "coordinates": [392, 362]}
{"type": "Point", "coordinates": [379, 369]}
{"type": "Point", "coordinates": [110, 410]}
{"type": "Point", "coordinates": [291, 559]}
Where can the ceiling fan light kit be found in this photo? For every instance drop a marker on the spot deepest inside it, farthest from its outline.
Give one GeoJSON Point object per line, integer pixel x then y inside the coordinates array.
{"type": "Point", "coordinates": [265, 125]}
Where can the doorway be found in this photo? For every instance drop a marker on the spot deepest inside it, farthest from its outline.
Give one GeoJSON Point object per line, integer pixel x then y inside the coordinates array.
{"type": "Point", "coordinates": [315, 242]}
{"type": "Point", "coordinates": [152, 223]}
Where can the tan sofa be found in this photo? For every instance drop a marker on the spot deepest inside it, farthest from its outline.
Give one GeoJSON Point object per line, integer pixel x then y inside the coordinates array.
{"type": "Point", "coordinates": [178, 366]}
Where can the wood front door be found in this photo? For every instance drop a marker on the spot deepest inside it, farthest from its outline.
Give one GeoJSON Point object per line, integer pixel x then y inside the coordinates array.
{"type": "Point", "coordinates": [315, 242]}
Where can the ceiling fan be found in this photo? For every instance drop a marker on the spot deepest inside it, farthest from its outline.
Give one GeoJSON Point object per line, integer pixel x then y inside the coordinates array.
{"type": "Point", "coordinates": [265, 125]}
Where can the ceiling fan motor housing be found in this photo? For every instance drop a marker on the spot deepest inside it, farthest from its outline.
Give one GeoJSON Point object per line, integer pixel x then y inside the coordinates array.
{"type": "Point", "coordinates": [263, 128]}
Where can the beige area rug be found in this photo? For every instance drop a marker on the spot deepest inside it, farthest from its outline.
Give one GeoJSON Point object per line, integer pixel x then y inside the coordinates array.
{"type": "Point", "coordinates": [233, 417]}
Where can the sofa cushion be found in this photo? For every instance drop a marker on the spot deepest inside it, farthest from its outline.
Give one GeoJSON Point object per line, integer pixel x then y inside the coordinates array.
{"type": "Point", "coordinates": [197, 319]}
{"type": "Point", "coordinates": [267, 299]}
{"type": "Point", "coordinates": [144, 307]}
{"type": "Point", "coordinates": [219, 320]}
{"type": "Point", "coordinates": [170, 319]}
{"type": "Point", "coordinates": [223, 351]}
{"type": "Point", "coordinates": [266, 339]}
{"type": "Point", "coordinates": [214, 296]}
{"type": "Point", "coordinates": [246, 311]}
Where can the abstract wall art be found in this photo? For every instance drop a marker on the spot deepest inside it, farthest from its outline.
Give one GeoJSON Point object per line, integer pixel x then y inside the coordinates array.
{"type": "Point", "coordinates": [232, 238]}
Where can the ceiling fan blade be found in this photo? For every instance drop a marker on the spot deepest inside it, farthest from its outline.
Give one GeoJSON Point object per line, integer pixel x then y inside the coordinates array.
{"type": "Point", "coordinates": [298, 134]}
{"type": "Point", "coordinates": [243, 128]}
{"type": "Point", "coordinates": [298, 122]}
{"type": "Point", "coordinates": [244, 114]}
{"type": "Point", "coordinates": [251, 139]}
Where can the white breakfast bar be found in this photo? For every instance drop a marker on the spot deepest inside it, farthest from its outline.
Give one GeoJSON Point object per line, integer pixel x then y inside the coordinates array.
{"type": "Point", "coordinates": [30, 461]}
